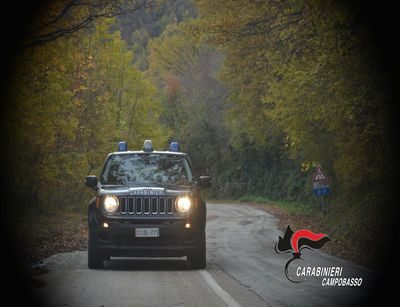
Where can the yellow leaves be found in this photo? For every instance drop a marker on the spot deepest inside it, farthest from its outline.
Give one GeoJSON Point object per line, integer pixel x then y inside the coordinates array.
{"type": "Point", "coordinates": [79, 89]}
{"type": "Point", "coordinates": [91, 65]}
{"type": "Point", "coordinates": [77, 102]}
{"type": "Point", "coordinates": [308, 165]}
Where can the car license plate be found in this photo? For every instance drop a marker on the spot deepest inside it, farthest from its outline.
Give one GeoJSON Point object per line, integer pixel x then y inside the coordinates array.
{"type": "Point", "coordinates": [147, 232]}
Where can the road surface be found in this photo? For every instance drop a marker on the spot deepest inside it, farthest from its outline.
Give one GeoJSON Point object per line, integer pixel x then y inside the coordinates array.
{"type": "Point", "coordinates": [243, 269]}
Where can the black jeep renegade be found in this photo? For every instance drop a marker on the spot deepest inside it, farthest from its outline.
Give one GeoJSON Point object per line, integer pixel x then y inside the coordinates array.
{"type": "Point", "coordinates": [147, 204]}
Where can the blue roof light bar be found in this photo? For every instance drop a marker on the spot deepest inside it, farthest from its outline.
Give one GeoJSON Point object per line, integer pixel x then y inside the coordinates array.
{"type": "Point", "coordinates": [174, 146]}
{"type": "Point", "coordinates": [122, 146]}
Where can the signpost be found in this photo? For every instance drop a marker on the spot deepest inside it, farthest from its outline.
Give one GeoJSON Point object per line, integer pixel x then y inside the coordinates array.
{"type": "Point", "coordinates": [320, 185]}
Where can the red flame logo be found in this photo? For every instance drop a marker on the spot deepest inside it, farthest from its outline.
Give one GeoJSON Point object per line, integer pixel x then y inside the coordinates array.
{"type": "Point", "coordinates": [305, 234]}
{"type": "Point", "coordinates": [294, 242]}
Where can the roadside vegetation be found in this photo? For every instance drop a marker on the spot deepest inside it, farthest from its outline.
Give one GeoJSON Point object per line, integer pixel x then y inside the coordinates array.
{"type": "Point", "coordinates": [44, 235]}
{"type": "Point", "coordinates": [344, 242]}
{"type": "Point", "coordinates": [257, 92]}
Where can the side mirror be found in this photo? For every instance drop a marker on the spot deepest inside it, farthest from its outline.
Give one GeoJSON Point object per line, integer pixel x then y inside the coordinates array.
{"type": "Point", "coordinates": [205, 181]}
{"type": "Point", "coordinates": [91, 182]}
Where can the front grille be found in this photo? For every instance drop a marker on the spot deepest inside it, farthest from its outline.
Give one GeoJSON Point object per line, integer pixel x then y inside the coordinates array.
{"type": "Point", "coordinates": [146, 205]}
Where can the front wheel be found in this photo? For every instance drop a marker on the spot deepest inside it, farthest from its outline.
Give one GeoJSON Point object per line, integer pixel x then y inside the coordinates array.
{"type": "Point", "coordinates": [198, 260]}
{"type": "Point", "coordinates": [95, 261]}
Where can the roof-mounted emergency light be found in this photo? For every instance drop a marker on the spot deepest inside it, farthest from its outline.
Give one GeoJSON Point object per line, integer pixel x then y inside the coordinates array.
{"type": "Point", "coordinates": [174, 146]}
{"type": "Point", "coordinates": [122, 146]}
{"type": "Point", "coordinates": [148, 146]}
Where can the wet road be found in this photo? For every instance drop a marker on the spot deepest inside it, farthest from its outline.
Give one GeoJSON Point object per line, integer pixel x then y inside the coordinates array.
{"type": "Point", "coordinates": [243, 269]}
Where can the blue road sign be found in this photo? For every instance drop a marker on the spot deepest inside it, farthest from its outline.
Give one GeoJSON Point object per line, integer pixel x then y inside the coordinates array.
{"type": "Point", "coordinates": [321, 188]}
{"type": "Point", "coordinates": [322, 191]}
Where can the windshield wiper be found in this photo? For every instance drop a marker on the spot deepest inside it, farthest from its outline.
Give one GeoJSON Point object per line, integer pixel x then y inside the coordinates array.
{"type": "Point", "coordinates": [176, 186]}
{"type": "Point", "coordinates": [111, 184]}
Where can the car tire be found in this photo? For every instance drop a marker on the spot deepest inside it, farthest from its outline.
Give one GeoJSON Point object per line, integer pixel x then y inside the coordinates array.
{"type": "Point", "coordinates": [95, 261]}
{"type": "Point", "coordinates": [198, 260]}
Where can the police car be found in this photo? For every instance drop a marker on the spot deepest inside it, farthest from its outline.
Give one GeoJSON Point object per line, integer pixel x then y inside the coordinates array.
{"type": "Point", "coordinates": [147, 204]}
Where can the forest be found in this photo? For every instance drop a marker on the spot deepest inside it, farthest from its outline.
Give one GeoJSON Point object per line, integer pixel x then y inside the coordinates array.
{"type": "Point", "coordinates": [257, 92]}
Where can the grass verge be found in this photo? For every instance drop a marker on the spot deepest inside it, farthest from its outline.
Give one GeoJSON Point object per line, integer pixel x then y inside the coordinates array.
{"type": "Point", "coordinates": [346, 225]}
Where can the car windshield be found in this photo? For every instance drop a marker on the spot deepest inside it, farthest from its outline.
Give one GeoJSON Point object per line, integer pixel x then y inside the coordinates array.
{"type": "Point", "coordinates": [147, 170]}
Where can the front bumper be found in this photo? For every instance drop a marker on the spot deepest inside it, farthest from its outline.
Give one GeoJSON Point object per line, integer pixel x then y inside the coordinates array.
{"type": "Point", "coordinates": [118, 239]}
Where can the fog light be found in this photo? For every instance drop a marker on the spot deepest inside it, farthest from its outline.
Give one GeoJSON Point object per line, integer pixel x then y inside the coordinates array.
{"type": "Point", "coordinates": [187, 225]}
{"type": "Point", "coordinates": [105, 225]}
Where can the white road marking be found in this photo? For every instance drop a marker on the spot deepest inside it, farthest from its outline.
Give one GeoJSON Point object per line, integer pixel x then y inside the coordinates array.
{"type": "Point", "coordinates": [229, 300]}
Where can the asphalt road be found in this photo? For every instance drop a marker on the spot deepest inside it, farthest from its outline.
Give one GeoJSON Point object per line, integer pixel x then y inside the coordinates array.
{"type": "Point", "coordinates": [243, 269]}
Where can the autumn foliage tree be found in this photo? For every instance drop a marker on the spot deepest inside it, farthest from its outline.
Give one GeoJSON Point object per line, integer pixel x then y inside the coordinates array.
{"type": "Point", "coordinates": [306, 68]}
{"type": "Point", "coordinates": [72, 100]}
{"type": "Point", "coordinates": [194, 100]}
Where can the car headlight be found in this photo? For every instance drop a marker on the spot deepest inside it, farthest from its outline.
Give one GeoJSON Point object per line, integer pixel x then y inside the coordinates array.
{"type": "Point", "coordinates": [111, 203]}
{"type": "Point", "coordinates": [183, 204]}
